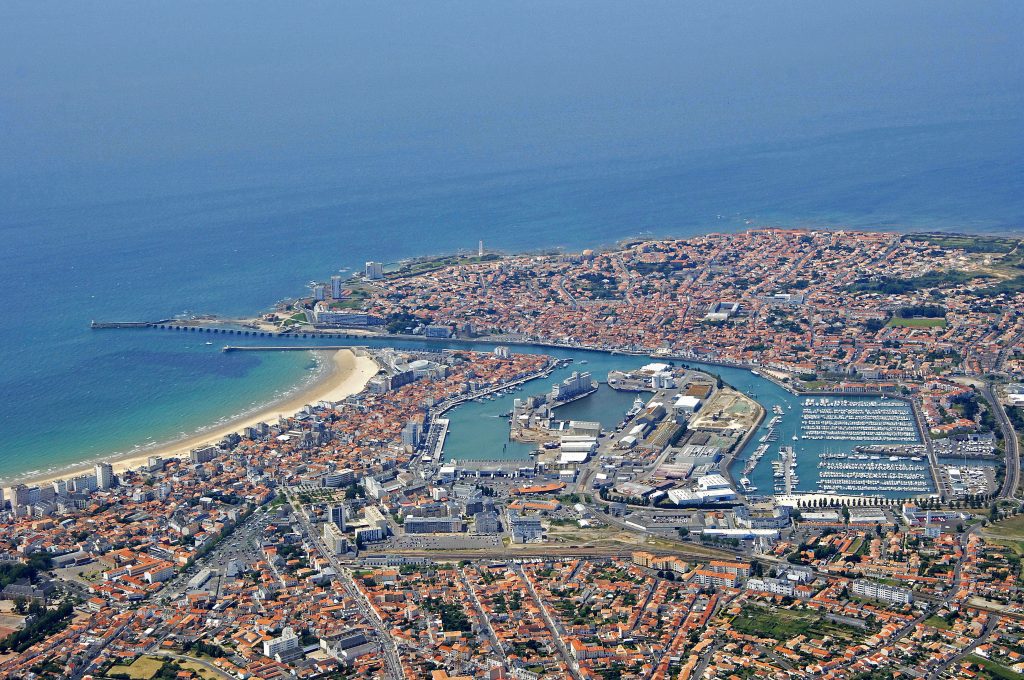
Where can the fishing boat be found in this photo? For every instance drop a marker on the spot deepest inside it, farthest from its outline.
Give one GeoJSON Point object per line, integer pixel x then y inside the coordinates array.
{"type": "Point", "coordinates": [638, 406]}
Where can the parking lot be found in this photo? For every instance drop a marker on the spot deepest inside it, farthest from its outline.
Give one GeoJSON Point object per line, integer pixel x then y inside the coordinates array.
{"type": "Point", "coordinates": [439, 542]}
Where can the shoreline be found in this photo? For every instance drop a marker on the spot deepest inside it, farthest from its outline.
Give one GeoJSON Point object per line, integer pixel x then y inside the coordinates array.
{"type": "Point", "coordinates": [343, 373]}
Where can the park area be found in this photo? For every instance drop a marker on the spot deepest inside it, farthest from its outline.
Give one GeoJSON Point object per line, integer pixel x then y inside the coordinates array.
{"type": "Point", "coordinates": [1007, 532]}
{"type": "Point", "coordinates": [784, 624]}
{"type": "Point", "coordinates": [143, 668]}
{"type": "Point", "coordinates": [156, 668]}
{"type": "Point", "coordinates": [917, 322]}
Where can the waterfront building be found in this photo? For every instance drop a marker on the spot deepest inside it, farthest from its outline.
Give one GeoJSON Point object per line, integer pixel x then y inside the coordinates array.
{"type": "Point", "coordinates": [374, 271]}
{"type": "Point", "coordinates": [24, 495]}
{"type": "Point", "coordinates": [341, 318]}
{"type": "Point", "coordinates": [573, 386]}
{"type": "Point", "coordinates": [588, 428]}
{"type": "Point", "coordinates": [204, 454]}
{"type": "Point", "coordinates": [104, 476]}
{"type": "Point", "coordinates": [336, 287]}
{"type": "Point", "coordinates": [713, 482]}
{"type": "Point", "coordinates": [84, 484]}
{"type": "Point", "coordinates": [437, 331]}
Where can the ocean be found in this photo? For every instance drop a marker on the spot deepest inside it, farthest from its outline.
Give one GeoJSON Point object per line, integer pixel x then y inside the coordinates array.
{"type": "Point", "coordinates": [170, 158]}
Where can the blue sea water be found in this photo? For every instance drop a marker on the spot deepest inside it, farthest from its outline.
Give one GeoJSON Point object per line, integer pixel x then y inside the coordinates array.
{"type": "Point", "coordinates": [215, 157]}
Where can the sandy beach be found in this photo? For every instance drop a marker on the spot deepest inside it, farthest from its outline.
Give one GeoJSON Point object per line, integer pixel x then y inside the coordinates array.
{"type": "Point", "coordinates": [343, 374]}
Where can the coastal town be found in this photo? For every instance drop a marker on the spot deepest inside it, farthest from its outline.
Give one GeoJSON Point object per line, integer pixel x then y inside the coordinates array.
{"type": "Point", "coordinates": [800, 459]}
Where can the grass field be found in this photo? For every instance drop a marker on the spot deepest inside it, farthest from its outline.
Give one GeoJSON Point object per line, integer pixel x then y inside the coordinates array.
{"type": "Point", "coordinates": [199, 670]}
{"type": "Point", "coordinates": [897, 321]}
{"type": "Point", "coordinates": [1008, 533]}
{"type": "Point", "coordinates": [1009, 529]}
{"type": "Point", "coordinates": [143, 668]}
{"type": "Point", "coordinates": [355, 300]}
{"type": "Point", "coordinates": [783, 624]}
{"type": "Point", "coordinates": [993, 669]}
{"type": "Point", "coordinates": [937, 622]}
{"type": "Point", "coordinates": [969, 243]}
{"type": "Point", "coordinates": [429, 264]}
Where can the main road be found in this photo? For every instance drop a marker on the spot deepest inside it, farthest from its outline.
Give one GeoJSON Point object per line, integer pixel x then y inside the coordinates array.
{"type": "Point", "coordinates": [1011, 480]}
{"type": "Point", "coordinates": [388, 647]}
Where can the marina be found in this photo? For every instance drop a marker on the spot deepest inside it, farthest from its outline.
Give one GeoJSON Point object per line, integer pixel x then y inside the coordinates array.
{"type": "Point", "coordinates": [838, 444]}
{"type": "Point", "coordinates": [872, 476]}
{"type": "Point", "coordinates": [886, 456]}
{"type": "Point", "coordinates": [874, 420]}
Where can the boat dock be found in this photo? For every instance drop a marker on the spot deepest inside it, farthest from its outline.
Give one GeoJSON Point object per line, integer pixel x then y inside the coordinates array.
{"type": "Point", "coordinates": [435, 439]}
{"type": "Point", "coordinates": [789, 478]}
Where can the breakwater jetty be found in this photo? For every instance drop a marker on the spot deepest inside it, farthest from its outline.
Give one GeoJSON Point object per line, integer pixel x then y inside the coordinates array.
{"type": "Point", "coordinates": [96, 325]}
{"type": "Point", "coordinates": [193, 327]}
{"type": "Point", "coordinates": [282, 348]}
